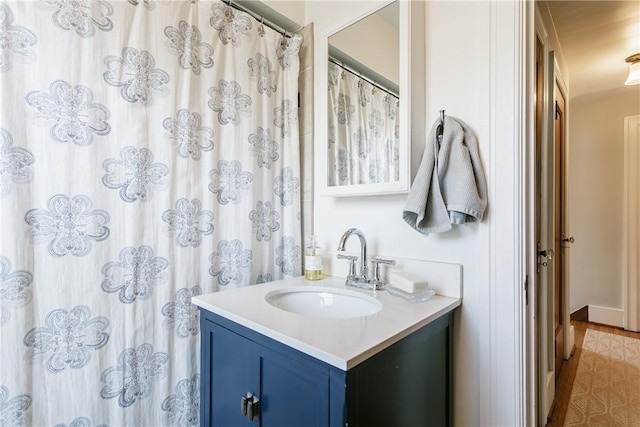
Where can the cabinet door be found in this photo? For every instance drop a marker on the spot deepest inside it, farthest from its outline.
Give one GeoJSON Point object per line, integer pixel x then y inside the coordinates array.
{"type": "Point", "coordinates": [295, 391]}
{"type": "Point", "coordinates": [228, 373]}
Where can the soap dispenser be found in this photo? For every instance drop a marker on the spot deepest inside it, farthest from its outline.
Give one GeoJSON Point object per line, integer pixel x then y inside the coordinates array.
{"type": "Point", "coordinates": [312, 261]}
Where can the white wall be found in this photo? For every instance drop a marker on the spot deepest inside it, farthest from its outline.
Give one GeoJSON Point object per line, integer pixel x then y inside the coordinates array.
{"type": "Point", "coordinates": [596, 197]}
{"type": "Point", "coordinates": [292, 9]}
{"type": "Point", "coordinates": [471, 49]}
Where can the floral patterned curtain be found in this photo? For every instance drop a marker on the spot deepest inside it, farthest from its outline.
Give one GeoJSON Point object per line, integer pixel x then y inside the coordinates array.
{"type": "Point", "coordinates": [363, 131]}
{"type": "Point", "coordinates": [148, 153]}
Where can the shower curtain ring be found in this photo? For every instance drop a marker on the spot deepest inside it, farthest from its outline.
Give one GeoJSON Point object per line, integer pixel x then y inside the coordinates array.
{"type": "Point", "coordinates": [229, 11]}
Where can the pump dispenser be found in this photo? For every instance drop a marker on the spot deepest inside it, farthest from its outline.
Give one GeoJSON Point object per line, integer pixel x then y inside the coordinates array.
{"type": "Point", "coordinates": [312, 261]}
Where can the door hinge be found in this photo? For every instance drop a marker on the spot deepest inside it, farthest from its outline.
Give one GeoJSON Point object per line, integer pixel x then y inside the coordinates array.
{"type": "Point", "coordinates": [526, 290]}
{"type": "Point", "coordinates": [557, 110]}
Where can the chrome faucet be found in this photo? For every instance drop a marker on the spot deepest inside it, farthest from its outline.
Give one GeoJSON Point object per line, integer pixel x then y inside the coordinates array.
{"type": "Point", "coordinates": [362, 280]}
{"type": "Point", "coordinates": [364, 269]}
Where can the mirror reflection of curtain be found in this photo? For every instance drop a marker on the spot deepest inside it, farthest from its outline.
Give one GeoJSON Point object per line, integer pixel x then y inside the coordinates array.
{"type": "Point", "coordinates": [362, 129]}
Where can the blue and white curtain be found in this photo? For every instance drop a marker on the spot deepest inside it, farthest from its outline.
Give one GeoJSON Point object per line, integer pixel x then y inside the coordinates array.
{"type": "Point", "coordinates": [148, 153]}
{"type": "Point", "coordinates": [363, 131]}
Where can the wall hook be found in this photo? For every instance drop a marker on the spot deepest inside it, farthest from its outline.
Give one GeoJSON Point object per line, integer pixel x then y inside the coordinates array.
{"type": "Point", "coordinates": [440, 128]}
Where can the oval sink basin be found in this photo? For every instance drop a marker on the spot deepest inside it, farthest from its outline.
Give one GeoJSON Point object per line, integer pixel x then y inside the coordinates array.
{"type": "Point", "coordinates": [323, 302]}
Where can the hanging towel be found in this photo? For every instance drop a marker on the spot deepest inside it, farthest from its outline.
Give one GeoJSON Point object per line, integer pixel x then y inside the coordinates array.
{"type": "Point", "coordinates": [450, 186]}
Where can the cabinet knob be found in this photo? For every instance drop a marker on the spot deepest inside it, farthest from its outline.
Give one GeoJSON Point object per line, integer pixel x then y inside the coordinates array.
{"type": "Point", "coordinates": [244, 400]}
{"type": "Point", "coordinates": [253, 409]}
{"type": "Point", "coordinates": [250, 406]}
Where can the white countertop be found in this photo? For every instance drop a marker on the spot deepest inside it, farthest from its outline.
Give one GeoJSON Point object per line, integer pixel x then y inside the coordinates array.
{"type": "Point", "coordinates": [343, 343]}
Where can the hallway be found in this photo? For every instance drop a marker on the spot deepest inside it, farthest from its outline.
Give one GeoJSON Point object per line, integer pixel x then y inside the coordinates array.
{"type": "Point", "coordinates": [570, 367]}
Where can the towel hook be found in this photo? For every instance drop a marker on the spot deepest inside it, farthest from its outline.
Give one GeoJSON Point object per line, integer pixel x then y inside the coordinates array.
{"type": "Point", "coordinates": [440, 128]}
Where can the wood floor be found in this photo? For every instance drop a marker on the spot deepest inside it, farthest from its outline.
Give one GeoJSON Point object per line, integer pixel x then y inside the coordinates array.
{"type": "Point", "coordinates": [568, 370]}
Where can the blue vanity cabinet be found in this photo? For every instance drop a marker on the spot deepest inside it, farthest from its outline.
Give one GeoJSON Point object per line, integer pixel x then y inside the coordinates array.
{"type": "Point", "coordinates": [291, 388]}
{"type": "Point", "coordinates": [407, 384]}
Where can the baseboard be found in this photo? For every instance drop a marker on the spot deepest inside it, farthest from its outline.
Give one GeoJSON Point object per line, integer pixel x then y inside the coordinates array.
{"type": "Point", "coordinates": [550, 385]}
{"type": "Point", "coordinates": [606, 315]}
{"type": "Point", "coordinates": [581, 314]}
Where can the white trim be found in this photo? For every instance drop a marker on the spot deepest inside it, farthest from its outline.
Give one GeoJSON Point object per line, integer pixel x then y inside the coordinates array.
{"type": "Point", "coordinates": [503, 339]}
{"type": "Point", "coordinates": [561, 82]}
{"type": "Point", "coordinates": [540, 30]}
{"type": "Point", "coordinates": [545, 320]}
{"type": "Point", "coordinates": [572, 336]}
{"type": "Point", "coordinates": [550, 386]}
{"type": "Point", "coordinates": [606, 315]}
{"type": "Point", "coordinates": [537, 31]}
{"type": "Point", "coordinates": [566, 314]}
{"type": "Point", "coordinates": [631, 209]}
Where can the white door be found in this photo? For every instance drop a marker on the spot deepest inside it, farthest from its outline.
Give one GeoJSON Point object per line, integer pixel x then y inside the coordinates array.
{"type": "Point", "coordinates": [631, 239]}
{"type": "Point", "coordinates": [545, 266]}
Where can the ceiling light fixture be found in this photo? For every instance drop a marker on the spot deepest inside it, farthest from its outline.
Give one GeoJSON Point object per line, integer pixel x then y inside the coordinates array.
{"type": "Point", "coordinates": [634, 70]}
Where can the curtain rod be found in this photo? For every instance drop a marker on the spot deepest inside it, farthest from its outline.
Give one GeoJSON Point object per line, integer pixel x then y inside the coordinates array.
{"type": "Point", "coordinates": [359, 74]}
{"type": "Point", "coordinates": [260, 18]}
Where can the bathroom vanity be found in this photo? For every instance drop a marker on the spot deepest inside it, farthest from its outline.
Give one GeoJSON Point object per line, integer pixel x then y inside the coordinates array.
{"type": "Point", "coordinates": [360, 358]}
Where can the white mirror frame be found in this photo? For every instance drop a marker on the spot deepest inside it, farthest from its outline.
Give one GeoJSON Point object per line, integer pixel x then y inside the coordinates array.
{"type": "Point", "coordinates": [321, 120]}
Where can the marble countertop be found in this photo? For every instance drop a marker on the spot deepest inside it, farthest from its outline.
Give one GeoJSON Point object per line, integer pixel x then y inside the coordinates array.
{"type": "Point", "coordinates": [343, 343]}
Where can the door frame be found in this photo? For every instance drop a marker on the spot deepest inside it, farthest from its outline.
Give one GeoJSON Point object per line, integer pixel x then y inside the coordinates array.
{"type": "Point", "coordinates": [540, 321]}
{"type": "Point", "coordinates": [542, 384]}
{"type": "Point", "coordinates": [545, 240]}
{"type": "Point", "coordinates": [631, 208]}
{"type": "Point", "coordinates": [535, 396]}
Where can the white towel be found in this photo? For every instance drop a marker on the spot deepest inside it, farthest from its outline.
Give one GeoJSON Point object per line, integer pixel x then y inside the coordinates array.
{"type": "Point", "coordinates": [450, 186]}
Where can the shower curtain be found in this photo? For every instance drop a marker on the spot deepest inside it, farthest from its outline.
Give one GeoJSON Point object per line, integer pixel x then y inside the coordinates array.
{"type": "Point", "coordinates": [148, 153]}
{"type": "Point", "coordinates": [363, 130]}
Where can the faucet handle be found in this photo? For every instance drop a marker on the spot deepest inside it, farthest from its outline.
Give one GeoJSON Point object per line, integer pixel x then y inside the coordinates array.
{"type": "Point", "coordinates": [376, 261]}
{"type": "Point", "coordinates": [352, 264]}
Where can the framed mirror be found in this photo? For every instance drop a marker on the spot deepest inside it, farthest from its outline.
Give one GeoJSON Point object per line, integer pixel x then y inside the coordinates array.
{"type": "Point", "coordinates": [363, 109]}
